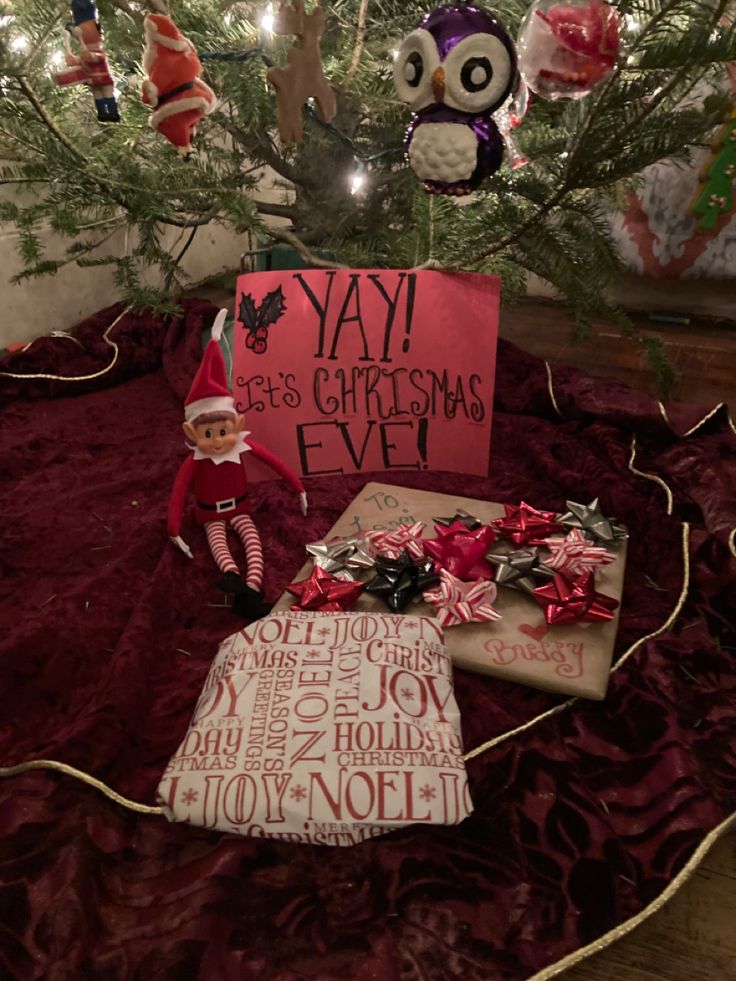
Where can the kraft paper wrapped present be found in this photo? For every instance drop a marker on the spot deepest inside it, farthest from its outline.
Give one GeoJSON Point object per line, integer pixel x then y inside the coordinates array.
{"type": "Point", "coordinates": [328, 728]}
{"type": "Point", "coordinates": [573, 659]}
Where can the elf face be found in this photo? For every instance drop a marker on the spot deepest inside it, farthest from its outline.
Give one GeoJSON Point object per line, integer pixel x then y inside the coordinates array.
{"type": "Point", "coordinates": [213, 437]}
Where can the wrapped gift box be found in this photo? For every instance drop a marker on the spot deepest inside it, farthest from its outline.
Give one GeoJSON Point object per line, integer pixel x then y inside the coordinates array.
{"type": "Point", "coordinates": [574, 659]}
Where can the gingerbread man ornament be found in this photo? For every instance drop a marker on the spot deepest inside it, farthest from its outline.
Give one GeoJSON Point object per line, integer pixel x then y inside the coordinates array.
{"type": "Point", "coordinates": [303, 77]}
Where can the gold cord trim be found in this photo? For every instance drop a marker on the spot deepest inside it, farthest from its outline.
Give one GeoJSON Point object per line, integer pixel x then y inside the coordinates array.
{"type": "Point", "coordinates": [556, 709]}
{"type": "Point", "coordinates": [75, 378]}
{"type": "Point", "coordinates": [693, 429]}
{"type": "Point", "coordinates": [582, 953]}
{"type": "Point", "coordinates": [550, 389]}
{"type": "Point", "coordinates": [650, 476]}
{"type": "Point", "coordinates": [72, 771]}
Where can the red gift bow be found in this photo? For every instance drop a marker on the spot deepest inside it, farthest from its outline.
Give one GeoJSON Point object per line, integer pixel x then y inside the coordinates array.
{"type": "Point", "coordinates": [462, 552]}
{"type": "Point", "coordinates": [568, 600]}
{"type": "Point", "coordinates": [393, 543]}
{"type": "Point", "coordinates": [457, 602]}
{"type": "Point", "coordinates": [323, 591]}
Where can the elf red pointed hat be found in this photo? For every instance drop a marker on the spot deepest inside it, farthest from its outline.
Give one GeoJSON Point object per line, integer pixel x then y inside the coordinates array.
{"type": "Point", "coordinates": [210, 391]}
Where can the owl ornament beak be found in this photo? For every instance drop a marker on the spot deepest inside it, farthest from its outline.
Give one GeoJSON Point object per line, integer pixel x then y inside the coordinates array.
{"type": "Point", "coordinates": [438, 84]}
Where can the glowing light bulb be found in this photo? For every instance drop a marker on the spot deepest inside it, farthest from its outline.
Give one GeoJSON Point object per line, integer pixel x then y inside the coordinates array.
{"type": "Point", "coordinates": [357, 182]}
{"type": "Point", "coordinates": [228, 18]}
{"type": "Point", "coordinates": [6, 19]}
{"type": "Point", "coordinates": [632, 24]}
{"type": "Point", "coordinates": [19, 43]}
{"type": "Point", "coordinates": [267, 20]}
{"type": "Point", "coordinates": [394, 53]}
{"type": "Point", "coordinates": [57, 58]}
{"type": "Point", "coordinates": [116, 92]}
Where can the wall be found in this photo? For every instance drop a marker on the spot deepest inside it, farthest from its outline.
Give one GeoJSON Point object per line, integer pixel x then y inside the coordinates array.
{"type": "Point", "coordinates": [38, 306]}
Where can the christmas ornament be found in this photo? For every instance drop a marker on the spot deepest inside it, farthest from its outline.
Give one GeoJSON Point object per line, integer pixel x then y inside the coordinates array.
{"type": "Point", "coordinates": [457, 602]}
{"type": "Point", "coordinates": [568, 600]}
{"type": "Point", "coordinates": [714, 197]}
{"type": "Point", "coordinates": [592, 522]}
{"type": "Point", "coordinates": [343, 555]}
{"type": "Point", "coordinates": [462, 552]}
{"type": "Point", "coordinates": [574, 554]}
{"type": "Point", "coordinates": [566, 48]}
{"type": "Point", "coordinates": [303, 77]}
{"type": "Point", "coordinates": [525, 525]}
{"type": "Point", "coordinates": [398, 581]}
{"type": "Point", "coordinates": [509, 117]}
{"type": "Point", "coordinates": [325, 592]}
{"type": "Point", "coordinates": [454, 71]}
{"type": "Point", "coordinates": [217, 467]}
{"type": "Point", "coordinates": [173, 88]}
{"type": "Point", "coordinates": [469, 520]}
{"type": "Point", "coordinates": [517, 569]}
{"type": "Point", "coordinates": [392, 543]}
{"type": "Point", "coordinates": [89, 66]}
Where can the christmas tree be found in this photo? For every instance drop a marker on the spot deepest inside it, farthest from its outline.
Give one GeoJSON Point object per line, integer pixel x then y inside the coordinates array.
{"type": "Point", "coordinates": [346, 190]}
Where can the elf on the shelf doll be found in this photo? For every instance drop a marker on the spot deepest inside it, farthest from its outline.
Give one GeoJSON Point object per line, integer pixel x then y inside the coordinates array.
{"type": "Point", "coordinates": [215, 431]}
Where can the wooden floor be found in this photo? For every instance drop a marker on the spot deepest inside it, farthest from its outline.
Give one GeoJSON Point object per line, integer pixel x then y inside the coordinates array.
{"type": "Point", "coordinates": [693, 937]}
{"type": "Point", "coordinates": [702, 353]}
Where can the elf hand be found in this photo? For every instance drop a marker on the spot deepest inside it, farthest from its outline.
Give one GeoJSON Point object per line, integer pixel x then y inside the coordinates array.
{"type": "Point", "coordinates": [180, 543]}
{"type": "Point", "coordinates": [303, 502]}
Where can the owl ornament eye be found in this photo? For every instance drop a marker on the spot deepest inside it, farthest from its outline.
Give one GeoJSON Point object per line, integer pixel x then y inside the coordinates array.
{"type": "Point", "coordinates": [454, 70]}
{"type": "Point", "coordinates": [415, 65]}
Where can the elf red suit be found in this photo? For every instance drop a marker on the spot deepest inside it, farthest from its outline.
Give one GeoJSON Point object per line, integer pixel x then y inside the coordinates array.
{"type": "Point", "coordinates": [173, 88]}
{"type": "Point", "coordinates": [217, 467]}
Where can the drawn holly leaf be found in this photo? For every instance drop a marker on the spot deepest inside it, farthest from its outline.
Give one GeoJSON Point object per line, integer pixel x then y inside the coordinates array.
{"type": "Point", "coordinates": [272, 308]}
{"type": "Point", "coordinates": [248, 312]}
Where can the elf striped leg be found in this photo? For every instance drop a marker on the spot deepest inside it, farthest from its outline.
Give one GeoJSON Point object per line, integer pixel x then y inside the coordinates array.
{"type": "Point", "coordinates": [217, 538]}
{"type": "Point", "coordinates": [248, 532]}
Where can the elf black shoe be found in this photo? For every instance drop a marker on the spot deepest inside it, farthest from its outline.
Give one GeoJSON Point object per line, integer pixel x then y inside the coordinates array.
{"type": "Point", "coordinates": [250, 604]}
{"type": "Point", "coordinates": [232, 582]}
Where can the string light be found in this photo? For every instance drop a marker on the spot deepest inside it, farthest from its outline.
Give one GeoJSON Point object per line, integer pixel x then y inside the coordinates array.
{"type": "Point", "coordinates": [357, 181]}
{"type": "Point", "coordinates": [57, 58]}
{"type": "Point", "coordinates": [394, 53]}
{"type": "Point", "coordinates": [19, 43]}
{"type": "Point", "coordinates": [267, 21]}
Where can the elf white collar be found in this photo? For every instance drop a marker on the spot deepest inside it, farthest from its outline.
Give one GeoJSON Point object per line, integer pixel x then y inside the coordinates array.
{"type": "Point", "coordinates": [232, 456]}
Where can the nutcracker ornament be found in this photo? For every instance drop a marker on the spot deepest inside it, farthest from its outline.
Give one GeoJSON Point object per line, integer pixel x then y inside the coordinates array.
{"type": "Point", "coordinates": [566, 49]}
{"type": "Point", "coordinates": [88, 66]}
{"type": "Point", "coordinates": [217, 466]}
{"type": "Point", "coordinates": [173, 89]}
{"type": "Point", "coordinates": [454, 71]}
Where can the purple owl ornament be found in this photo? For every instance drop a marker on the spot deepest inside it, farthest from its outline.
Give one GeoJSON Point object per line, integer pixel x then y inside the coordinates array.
{"type": "Point", "coordinates": [454, 70]}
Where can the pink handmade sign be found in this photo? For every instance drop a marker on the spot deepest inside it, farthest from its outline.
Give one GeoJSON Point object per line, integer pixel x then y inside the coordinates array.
{"type": "Point", "coordinates": [340, 371]}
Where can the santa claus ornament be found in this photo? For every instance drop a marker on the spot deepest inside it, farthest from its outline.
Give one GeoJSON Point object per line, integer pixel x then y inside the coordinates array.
{"type": "Point", "coordinates": [217, 466]}
{"type": "Point", "coordinates": [88, 65]}
{"type": "Point", "coordinates": [454, 71]}
{"type": "Point", "coordinates": [173, 88]}
{"type": "Point", "coordinates": [566, 49]}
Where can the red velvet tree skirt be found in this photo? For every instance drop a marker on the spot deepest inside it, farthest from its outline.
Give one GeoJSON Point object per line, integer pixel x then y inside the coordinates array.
{"type": "Point", "coordinates": [585, 812]}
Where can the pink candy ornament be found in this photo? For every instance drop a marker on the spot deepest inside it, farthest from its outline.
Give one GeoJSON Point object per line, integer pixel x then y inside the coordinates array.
{"type": "Point", "coordinates": [566, 48]}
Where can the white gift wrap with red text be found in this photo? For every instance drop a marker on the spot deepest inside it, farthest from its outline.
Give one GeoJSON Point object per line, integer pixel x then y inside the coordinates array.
{"type": "Point", "coordinates": [323, 728]}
